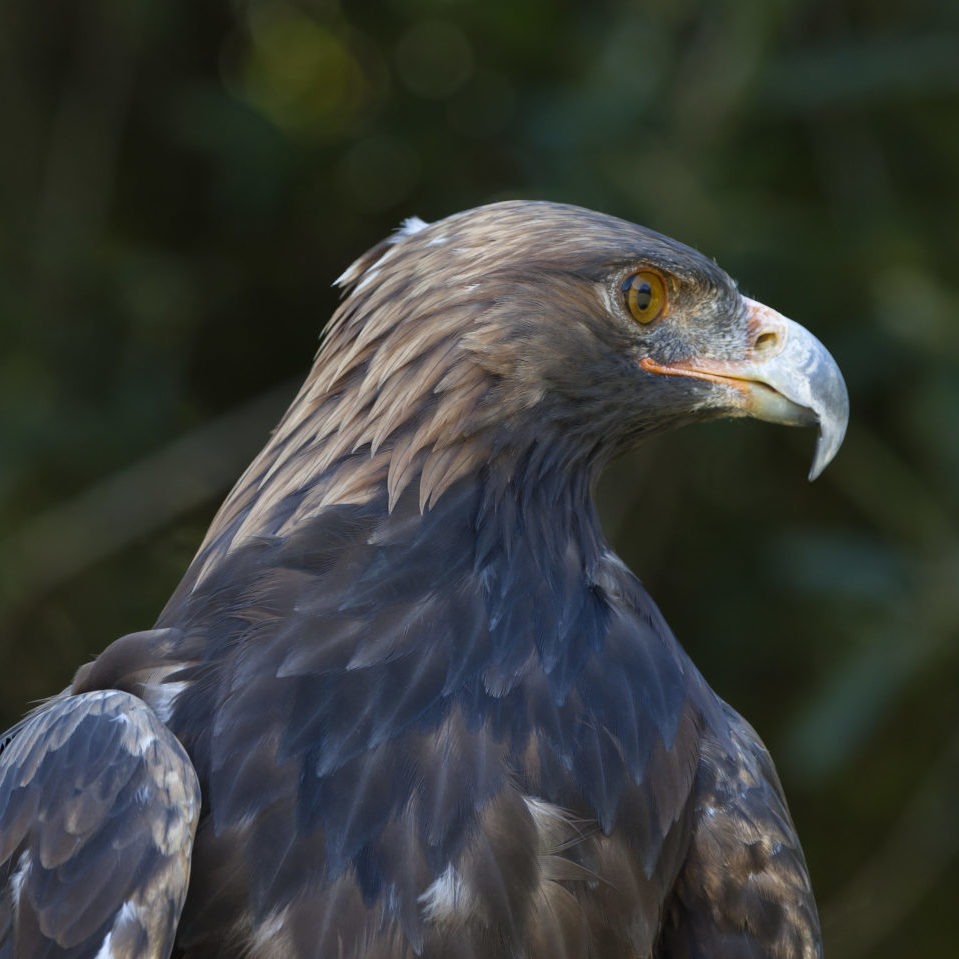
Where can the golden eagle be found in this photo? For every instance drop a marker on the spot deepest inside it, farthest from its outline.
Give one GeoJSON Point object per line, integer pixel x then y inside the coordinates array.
{"type": "Point", "coordinates": [406, 700]}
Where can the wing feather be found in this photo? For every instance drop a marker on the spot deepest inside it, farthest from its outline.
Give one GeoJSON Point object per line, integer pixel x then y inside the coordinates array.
{"type": "Point", "coordinates": [744, 890]}
{"type": "Point", "coordinates": [98, 807]}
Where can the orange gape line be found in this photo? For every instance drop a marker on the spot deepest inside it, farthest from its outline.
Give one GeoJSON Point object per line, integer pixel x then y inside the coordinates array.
{"type": "Point", "coordinates": [678, 369]}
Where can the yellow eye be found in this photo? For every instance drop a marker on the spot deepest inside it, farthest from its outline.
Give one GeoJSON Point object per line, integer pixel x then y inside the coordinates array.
{"type": "Point", "coordinates": [645, 296]}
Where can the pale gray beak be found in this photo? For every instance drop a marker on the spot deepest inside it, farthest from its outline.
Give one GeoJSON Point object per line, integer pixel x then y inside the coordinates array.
{"type": "Point", "coordinates": [804, 385]}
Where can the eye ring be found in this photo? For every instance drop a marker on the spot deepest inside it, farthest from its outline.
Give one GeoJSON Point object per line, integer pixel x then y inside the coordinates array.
{"type": "Point", "coordinates": [645, 295]}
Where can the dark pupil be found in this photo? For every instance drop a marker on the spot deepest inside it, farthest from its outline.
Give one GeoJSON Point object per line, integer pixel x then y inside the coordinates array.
{"type": "Point", "coordinates": [644, 296]}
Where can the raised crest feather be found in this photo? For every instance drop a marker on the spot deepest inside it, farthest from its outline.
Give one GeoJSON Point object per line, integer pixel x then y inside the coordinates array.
{"type": "Point", "coordinates": [352, 274]}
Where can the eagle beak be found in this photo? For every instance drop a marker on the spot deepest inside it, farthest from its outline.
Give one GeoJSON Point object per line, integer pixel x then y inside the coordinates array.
{"type": "Point", "coordinates": [787, 376]}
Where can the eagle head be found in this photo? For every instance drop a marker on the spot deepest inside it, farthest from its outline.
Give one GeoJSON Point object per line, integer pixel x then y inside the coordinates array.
{"type": "Point", "coordinates": [524, 340]}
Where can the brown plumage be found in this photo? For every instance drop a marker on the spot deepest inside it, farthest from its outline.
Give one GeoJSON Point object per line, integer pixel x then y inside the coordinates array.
{"type": "Point", "coordinates": [428, 711]}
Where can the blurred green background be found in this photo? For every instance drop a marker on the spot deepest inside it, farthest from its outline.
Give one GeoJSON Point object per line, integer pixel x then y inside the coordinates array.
{"type": "Point", "coordinates": [181, 182]}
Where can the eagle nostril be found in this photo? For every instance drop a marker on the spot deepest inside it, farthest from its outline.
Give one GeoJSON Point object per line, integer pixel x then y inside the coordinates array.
{"type": "Point", "coordinates": [766, 342]}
